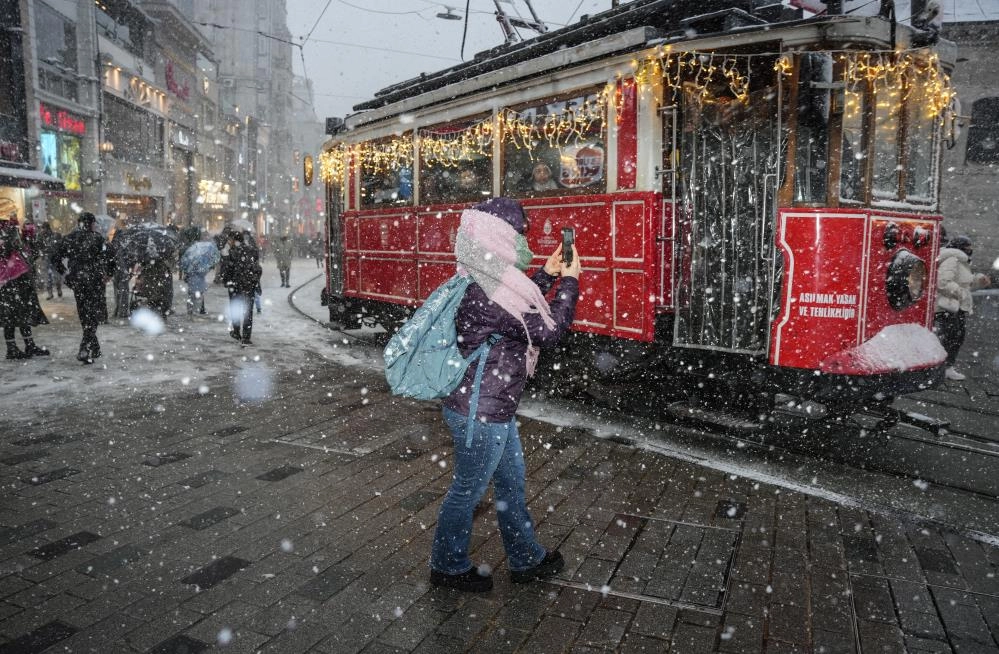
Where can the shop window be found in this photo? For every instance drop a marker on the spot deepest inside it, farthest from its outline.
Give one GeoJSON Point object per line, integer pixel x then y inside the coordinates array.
{"type": "Point", "coordinates": [555, 147]}
{"type": "Point", "coordinates": [983, 134]}
{"type": "Point", "coordinates": [456, 163]}
{"type": "Point", "coordinates": [387, 171]}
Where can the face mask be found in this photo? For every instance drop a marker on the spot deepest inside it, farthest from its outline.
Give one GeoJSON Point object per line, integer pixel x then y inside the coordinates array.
{"type": "Point", "coordinates": [524, 254]}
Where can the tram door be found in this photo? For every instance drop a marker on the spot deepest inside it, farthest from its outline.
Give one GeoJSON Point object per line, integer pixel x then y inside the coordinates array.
{"type": "Point", "coordinates": [334, 229]}
{"type": "Point", "coordinates": [726, 186]}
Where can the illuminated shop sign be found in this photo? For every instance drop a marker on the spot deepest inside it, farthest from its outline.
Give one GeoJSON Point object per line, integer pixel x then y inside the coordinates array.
{"type": "Point", "coordinates": [212, 194]}
{"type": "Point", "coordinates": [61, 120]}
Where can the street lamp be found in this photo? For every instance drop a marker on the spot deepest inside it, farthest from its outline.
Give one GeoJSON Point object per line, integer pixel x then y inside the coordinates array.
{"type": "Point", "coordinates": [449, 14]}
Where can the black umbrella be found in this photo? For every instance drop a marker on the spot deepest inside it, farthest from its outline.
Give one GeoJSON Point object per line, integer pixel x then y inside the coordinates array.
{"type": "Point", "coordinates": [145, 243]}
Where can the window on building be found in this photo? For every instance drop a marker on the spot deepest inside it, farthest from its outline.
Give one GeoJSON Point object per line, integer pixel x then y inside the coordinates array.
{"type": "Point", "coordinates": [983, 134]}
{"type": "Point", "coordinates": [58, 48]}
{"type": "Point", "coordinates": [136, 135]}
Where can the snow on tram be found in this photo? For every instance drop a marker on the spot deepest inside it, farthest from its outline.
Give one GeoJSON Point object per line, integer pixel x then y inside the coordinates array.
{"type": "Point", "coordinates": [754, 194]}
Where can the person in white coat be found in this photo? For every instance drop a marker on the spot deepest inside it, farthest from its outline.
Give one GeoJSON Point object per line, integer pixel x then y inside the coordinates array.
{"type": "Point", "coordinates": [955, 281]}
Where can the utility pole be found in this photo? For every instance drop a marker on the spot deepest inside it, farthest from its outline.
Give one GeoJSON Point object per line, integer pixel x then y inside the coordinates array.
{"type": "Point", "coordinates": [509, 24]}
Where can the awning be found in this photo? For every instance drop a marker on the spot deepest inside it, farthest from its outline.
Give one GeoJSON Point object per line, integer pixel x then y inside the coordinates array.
{"type": "Point", "coordinates": [27, 178]}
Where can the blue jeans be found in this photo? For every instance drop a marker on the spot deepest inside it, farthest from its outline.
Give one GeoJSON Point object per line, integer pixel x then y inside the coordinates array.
{"type": "Point", "coordinates": [495, 455]}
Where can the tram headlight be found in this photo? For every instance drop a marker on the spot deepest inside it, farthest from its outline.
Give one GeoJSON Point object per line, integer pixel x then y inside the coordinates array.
{"type": "Point", "coordinates": [906, 279]}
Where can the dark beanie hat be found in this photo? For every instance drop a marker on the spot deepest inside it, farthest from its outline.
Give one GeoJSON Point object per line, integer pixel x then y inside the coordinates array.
{"type": "Point", "coordinates": [508, 210]}
{"type": "Point", "coordinates": [87, 217]}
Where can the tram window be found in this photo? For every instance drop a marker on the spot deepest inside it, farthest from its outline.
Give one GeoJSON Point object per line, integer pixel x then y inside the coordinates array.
{"type": "Point", "coordinates": [387, 173]}
{"type": "Point", "coordinates": [886, 125]}
{"type": "Point", "coordinates": [812, 149]}
{"type": "Point", "coordinates": [851, 182]}
{"type": "Point", "coordinates": [539, 161]}
{"type": "Point", "coordinates": [456, 163]}
{"type": "Point", "coordinates": [921, 144]}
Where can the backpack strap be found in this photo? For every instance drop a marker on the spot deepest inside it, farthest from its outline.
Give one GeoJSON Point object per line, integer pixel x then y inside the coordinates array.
{"type": "Point", "coordinates": [482, 352]}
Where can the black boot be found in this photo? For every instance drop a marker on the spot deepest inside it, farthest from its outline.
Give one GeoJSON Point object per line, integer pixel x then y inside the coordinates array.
{"type": "Point", "coordinates": [32, 350]}
{"type": "Point", "coordinates": [14, 353]}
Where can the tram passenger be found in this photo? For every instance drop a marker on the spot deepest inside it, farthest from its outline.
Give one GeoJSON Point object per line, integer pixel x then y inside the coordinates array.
{"type": "Point", "coordinates": [955, 281]}
{"type": "Point", "coordinates": [541, 177]}
{"type": "Point", "coordinates": [501, 301]}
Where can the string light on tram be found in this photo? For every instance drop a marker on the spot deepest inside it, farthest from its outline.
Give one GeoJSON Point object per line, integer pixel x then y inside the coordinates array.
{"type": "Point", "coordinates": [698, 73]}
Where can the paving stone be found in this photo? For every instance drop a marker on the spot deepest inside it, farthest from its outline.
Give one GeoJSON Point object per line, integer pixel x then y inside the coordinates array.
{"type": "Point", "coordinates": [157, 460]}
{"type": "Point", "coordinates": [216, 572]}
{"type": "Point", "coordinates": [328, 583]}
{"type": "Point", "coordinates": [936, 560]}
{"type": "Point", "coordinates": [40, 639]}
{"type": "Point", "coordinates": [64, 545]}
{"type": "Point", "coordinates": [202, 479]}
{"type": "Point", "coordinates": [50, 476]}
{"type": "Point", "coordinates": [880, 637]}
{"type": "Point", "coordinates": [833, 642]}
{"type": "Point", "coordinates": [277, 474]}
{"type": "Point", "coordinates": [113, 560]}
{"type": "Point", "coordinates": [10, 535]}
{"type": "Point", "coordinates": [17, 459]}
{"type": "Point", "coordinates": [741, 634]}
{"type": "Point", "coordinates": [180, 645]}
{"type": "Point", "coordinates": [604, 629]}
{"type": "Point", "coordinates": [209, 517]}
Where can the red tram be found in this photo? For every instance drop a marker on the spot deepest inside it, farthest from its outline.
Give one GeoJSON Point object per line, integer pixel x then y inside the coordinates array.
{"type": "Point", "coordinates": [754, 193]}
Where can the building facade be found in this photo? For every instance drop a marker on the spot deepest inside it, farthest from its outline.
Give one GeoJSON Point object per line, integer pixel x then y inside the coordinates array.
{"type": "Point", "coordinates": [970, 182]}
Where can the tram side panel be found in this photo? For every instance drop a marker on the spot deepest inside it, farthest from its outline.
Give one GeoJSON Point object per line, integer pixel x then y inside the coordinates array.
{"type": "Point", "coordinates": [399, 256]}
{"type": "Point", "coordinates": [836, 314]}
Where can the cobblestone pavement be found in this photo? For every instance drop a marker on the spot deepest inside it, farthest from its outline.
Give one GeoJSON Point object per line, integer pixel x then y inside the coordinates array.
{"type": "Point", "coordinates": [187, 522]}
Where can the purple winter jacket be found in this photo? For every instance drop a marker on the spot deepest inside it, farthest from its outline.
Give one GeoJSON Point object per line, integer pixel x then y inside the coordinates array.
{"type": "Point", "coordinates": [506, 366]}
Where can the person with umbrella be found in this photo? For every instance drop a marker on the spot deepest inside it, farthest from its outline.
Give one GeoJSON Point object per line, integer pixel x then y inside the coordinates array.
{"type": "Point", "coordinates": [199, 257]}
{"type": "Point", "coordinates": [19, 305]}
{"type": "Point", "coordinates": [91, 264]}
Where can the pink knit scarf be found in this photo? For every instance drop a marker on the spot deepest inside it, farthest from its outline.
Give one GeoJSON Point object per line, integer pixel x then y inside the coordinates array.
{"type": "Point", "coordinates": [485, 247]}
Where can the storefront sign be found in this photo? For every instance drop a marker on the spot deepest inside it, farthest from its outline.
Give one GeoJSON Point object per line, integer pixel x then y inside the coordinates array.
{"type": "Point", "coordinates": [214, 195]}
{"type": "Point", "coordinates": [182, 138]}
{"type": "Point", "coordinates": [61, 120]}
{"type": "Point", "coordinates": [138, 183]}
{"type": "Point", "coordinates": [176, 84]}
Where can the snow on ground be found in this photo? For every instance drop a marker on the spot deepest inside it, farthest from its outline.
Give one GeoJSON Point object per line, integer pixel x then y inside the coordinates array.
{"type": "Point", "coordinates": [190, 353]}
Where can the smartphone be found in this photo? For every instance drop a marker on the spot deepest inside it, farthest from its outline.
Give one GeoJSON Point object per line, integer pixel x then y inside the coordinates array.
{"type": "Point", "coordinates": [568, 238]}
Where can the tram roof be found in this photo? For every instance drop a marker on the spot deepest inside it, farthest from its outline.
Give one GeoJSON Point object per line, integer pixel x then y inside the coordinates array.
{"type": "Point", "coordinates": [664, 16]}
{"type": "Point", "coordinates": [622, 29]}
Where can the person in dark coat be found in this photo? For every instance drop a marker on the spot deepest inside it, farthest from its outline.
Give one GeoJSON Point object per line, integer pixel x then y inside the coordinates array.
{"type": "Point", "coordinates": [502, 301]}
{"type": "Point", "coordinates": [240, 272]}
{"type": "Point", "coordinates": [91, 264]}
{"type": "Point", "coordinates": [19, 307]}
{"type": "Point", "coordinates": [49, 241]}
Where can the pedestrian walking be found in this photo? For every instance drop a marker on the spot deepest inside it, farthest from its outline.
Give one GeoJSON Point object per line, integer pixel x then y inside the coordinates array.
{"type": "Point", "coordinates": [199, 258]}
{"type": "Point", "coordinates": [283, 251]}
{"type": "Point", "coordinates": [955, 281]}
{"type": "Point", "coordinates": [240, 272]}
{"type": "Point", "coordinates": [49, 241]}
{"type": "Point", "coordinates": [505, 306]}
{"type": "Point", "coordinates": [91, 265]}
{"type": "Point", "coordinates": [19, 306]}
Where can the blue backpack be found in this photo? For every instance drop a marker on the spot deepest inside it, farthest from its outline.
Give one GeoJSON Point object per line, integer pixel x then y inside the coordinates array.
{"type": "Point", "coordinates": [422, 360]}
